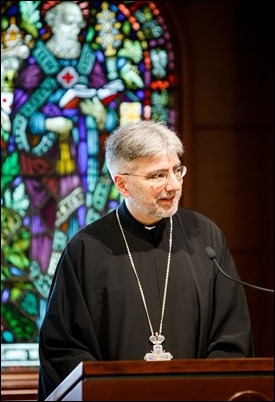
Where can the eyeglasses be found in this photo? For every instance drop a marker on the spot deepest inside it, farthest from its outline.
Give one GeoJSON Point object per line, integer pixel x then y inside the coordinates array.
{"type": "Point", "coordinates": [160, 179]}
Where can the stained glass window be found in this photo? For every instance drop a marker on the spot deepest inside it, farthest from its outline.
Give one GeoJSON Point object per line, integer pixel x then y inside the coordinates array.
{"type": "Point", "coordinates": [71, 71]}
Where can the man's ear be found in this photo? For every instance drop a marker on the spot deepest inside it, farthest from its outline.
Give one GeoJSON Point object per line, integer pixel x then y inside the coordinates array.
{"type": "Point", "coordinates": [121, 184]}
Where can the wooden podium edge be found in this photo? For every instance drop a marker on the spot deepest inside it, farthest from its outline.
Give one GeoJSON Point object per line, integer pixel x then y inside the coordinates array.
{"type": "Point", "coordinates": [136, 367]}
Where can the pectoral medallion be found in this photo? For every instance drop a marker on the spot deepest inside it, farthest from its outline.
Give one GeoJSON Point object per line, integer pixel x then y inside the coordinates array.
{"type": "Point", "coordinates": [157, 354]}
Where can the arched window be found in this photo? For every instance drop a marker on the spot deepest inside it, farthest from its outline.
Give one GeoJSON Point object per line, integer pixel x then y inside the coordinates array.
{"type": "Point", "coordinates": [71, 71]}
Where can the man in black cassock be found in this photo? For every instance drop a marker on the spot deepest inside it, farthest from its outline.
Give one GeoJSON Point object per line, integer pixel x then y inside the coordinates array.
{"type": "Point", "coordinates": [137, 283]}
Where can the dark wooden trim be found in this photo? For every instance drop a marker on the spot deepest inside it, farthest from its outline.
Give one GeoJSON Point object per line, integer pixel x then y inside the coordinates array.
{"type": "Point", "coordinates": [19, 384]}
{"type": "Point", "coordinates": [176, 380]}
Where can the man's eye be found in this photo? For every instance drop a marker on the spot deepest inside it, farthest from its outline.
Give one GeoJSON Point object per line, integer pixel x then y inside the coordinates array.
{"type": "Point", "coordinates": [160, 175]}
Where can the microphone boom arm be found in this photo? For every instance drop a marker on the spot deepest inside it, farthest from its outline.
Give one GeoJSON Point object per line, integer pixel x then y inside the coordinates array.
{"type": "Point", "coordinates": [212, 256]}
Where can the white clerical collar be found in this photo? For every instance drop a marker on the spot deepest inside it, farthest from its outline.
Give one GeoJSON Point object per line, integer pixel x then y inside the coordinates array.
{"type": "Point", "coordinates": [149, 227]}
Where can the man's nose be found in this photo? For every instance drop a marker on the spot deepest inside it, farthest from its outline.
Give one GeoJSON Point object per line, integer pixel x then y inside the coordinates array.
{"type": "Point", "coordinates": [173, 182]}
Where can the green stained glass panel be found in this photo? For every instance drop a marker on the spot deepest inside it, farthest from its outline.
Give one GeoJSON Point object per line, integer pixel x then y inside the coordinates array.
{"type": "Point", "coordinates": [57, 109]}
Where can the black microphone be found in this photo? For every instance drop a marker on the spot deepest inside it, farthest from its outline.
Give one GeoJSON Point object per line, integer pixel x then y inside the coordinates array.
{"type": "Point", "coordinates": [212, 256]}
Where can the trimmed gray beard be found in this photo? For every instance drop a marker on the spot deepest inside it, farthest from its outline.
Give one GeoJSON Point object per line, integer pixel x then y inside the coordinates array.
{"type": "Point", "coordinates": [154, 210]}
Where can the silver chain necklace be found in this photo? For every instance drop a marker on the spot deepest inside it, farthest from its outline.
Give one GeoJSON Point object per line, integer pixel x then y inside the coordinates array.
{"type": "Point", "coordinates": [157, 353]}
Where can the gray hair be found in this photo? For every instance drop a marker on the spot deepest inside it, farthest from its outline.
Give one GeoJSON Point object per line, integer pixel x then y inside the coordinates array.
{"type": "Point", "coordinates": [139, 139]}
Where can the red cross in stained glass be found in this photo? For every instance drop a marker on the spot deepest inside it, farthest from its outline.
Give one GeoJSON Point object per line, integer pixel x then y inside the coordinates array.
{"type": "Point", "coordinates": [67, 77]}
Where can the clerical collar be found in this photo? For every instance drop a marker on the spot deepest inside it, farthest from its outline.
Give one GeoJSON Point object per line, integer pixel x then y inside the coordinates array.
{"type": "Point", "coordinates": [150, 227]}
{"type": "Point", "coordinates": [153, 234]}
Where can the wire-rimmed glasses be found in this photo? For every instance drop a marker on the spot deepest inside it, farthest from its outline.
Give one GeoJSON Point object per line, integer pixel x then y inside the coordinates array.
{"type": "Point", "coordinates": [161, 178]}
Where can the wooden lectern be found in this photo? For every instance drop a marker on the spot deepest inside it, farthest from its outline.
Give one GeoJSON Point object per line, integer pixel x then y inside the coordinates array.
{"type": "Point", "coordinates": [176, 380]}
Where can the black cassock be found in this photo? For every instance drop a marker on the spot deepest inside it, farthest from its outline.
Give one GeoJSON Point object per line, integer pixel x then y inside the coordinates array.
{"type": "Point", "coordinates": [95, 310]}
